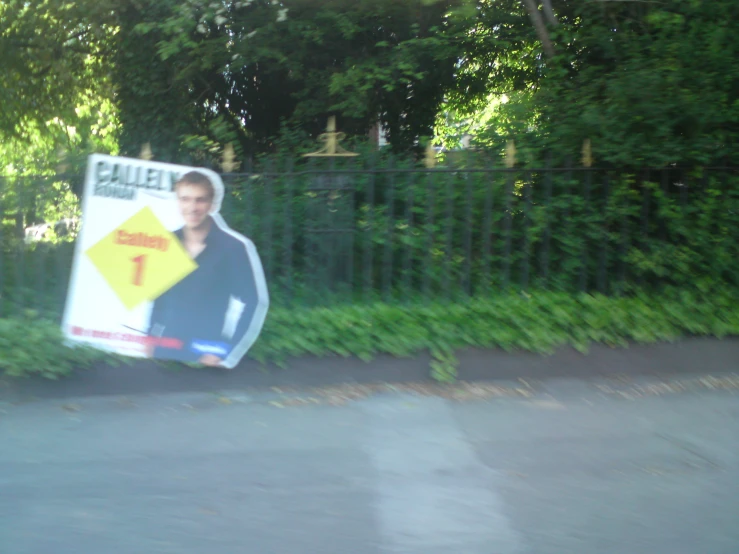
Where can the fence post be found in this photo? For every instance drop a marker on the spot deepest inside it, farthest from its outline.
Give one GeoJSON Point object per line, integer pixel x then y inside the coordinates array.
{"type": "Point", "coordinates": [288, 211]}
{"type": "Point", "coordinates": [2, 246]}
{"type": "Point", "coordinates": [510, 180]}
{"type": "Point", "coordinates": [603, 263]}
{"type": "Point", "coordinates": [269, 216]}
{"type": "Point", "coordinates": [548, 221]}
{"type": "Point", "coordinates": [644, 216]}
{"type": "Point", "coordinates": [408, 262]}
{"type": "Point", "coordinates": [467, 278]}
{"type": "Point", "coordinates": [624, 246]}
{"type": "Point", "coordinates": [431, 206]}
{"type": "Point", "coordinates": [488, 230]}
{"type": "Point", "coordinates": [527, 186]}
{"type": "Point", "coordinates": [370, 227]}
{"type": "Point", "coordinates": [449, 246]}
{"type": "Point", "coordinates": [20, 252]}
{"type": "Point", "coordinates": [387, 258]}
{"type": "Point", "coordinates": [349, 224]}
{"type": "Point", "coordinates": [587, 162]}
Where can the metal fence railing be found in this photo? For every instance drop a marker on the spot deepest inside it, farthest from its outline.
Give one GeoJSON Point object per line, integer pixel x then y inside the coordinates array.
{"type": "Point", "coordinates": [398, 233]}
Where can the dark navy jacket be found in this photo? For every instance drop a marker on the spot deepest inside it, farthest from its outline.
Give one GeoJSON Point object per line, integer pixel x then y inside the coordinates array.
{"type": "Point", "coordinates": [194, 310]}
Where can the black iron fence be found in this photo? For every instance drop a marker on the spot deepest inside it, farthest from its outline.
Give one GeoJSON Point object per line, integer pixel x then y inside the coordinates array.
{"type": "Point", "coordinates": [402, 232]}
{"type": "Point", "coordinates": [397, 233]}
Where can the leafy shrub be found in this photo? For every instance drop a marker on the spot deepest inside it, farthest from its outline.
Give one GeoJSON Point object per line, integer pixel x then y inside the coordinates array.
{"type": "Point", "coordinates": [30, 345]}
{"type": "Point", "coordinates": [537, 322]}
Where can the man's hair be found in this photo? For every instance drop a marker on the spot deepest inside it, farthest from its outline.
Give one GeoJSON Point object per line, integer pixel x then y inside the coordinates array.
{"type": "Point", "coordinates": [197, 179]}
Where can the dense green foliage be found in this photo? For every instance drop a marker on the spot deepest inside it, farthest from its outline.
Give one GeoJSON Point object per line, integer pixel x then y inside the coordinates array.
{"type": "Point", "coordinates": [462, 229]}
{"type": "Point", "coordinates": [538, 322]}
{"type": "Point", "coordinates": [451, 258]}
{"type": "Point", "coordinates": [650, 84]}
{"type": "Point", "coordinates": [396, 233]}
{"type": "Point", "coordinates": [248, 70]}
{"type": "Point", "coordinates": [57, 97]}
{"type": "Point", "coordinates": [30, 345]}
{"type": "Point", "coordinates": [50, 57]}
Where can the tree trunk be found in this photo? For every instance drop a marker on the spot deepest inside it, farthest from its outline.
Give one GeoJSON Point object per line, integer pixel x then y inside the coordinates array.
{"type": "Point", "coordinates": [549, 13]}
{"type": "Point", "coordinates": [374, 136]}
{"type": "Point", "coordinates": [540, 26]}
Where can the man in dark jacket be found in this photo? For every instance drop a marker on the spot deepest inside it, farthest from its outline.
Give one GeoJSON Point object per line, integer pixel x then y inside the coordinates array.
{"type": "Point", "coordinates": [216, 312]}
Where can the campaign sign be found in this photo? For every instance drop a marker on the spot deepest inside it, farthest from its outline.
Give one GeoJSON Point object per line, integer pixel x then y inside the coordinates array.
{"type": "Point", "coordinates": [157, 272]}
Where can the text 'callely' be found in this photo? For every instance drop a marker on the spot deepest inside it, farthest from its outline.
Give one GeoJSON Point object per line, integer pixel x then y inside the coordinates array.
{"type": "Point", "coordinates": [121, 181]}
{"type": "Point", "coordinates": [155, 242]}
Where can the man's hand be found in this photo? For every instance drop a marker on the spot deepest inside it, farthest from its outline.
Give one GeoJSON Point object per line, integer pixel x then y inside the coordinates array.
{"type": "Point", "coordinates": [210, 360]}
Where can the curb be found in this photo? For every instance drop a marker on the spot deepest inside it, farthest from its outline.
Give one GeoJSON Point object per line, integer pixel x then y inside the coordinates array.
{"type": "Point", "coordinates": [684, 357]}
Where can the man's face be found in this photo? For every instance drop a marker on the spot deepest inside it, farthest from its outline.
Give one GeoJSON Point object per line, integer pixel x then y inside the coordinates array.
{"type": "Point", "coordinates": [194, 202]}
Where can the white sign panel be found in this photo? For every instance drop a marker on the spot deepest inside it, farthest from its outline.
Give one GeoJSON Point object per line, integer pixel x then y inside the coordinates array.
{"type": "Point", "coordinates": [157, 272]}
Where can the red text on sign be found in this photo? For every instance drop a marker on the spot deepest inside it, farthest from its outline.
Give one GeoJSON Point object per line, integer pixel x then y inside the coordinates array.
{"type": "Point", "coordinates": [138, 270]}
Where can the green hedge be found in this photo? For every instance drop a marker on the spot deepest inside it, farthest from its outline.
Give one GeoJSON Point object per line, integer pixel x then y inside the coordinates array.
{"type": "Point", "coordinates": [30, 345]}
{"type": "Point", "coordinates": [537, 321]}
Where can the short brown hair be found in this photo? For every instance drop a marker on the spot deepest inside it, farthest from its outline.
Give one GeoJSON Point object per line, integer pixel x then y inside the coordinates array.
{"type": "Point", "coordinates": [197, 179]}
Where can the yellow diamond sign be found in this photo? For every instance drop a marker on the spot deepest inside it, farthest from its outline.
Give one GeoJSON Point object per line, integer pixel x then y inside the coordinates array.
{"type": "Point", "coordinates": [140, 259]}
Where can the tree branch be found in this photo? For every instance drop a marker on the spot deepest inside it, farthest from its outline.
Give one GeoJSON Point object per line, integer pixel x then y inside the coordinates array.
{"type": "Point", "coordinates": [549, 13]}
{"type": "Point", "coordinates": [541, 29]}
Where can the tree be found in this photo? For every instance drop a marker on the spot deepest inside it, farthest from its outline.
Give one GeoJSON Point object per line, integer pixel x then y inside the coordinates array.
{"type": "Point", "coordinates": [541, 28]}
{"type": "Point", "coordinates": [155, 106]}
{"type": "Point", "coordinates": [49, 52]}
{"type": "Point", "coordinates": [648, 83]}
{"type": "Point", "coordinates": [57, 104]}
{"type": "Point", "coordinates": [246, 69]}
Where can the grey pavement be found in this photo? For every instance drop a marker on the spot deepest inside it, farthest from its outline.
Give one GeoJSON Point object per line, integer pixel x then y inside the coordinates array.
{"type": "Point", "coordinates": [573, 471]}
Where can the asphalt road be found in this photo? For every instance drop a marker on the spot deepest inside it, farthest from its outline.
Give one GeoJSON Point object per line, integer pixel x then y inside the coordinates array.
{"type": "Point", "coordinates": [575, 472]}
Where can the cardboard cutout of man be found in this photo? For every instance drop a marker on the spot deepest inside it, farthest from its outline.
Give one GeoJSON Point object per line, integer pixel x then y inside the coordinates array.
{"type": "Point", "coordinates": [217, 311]}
